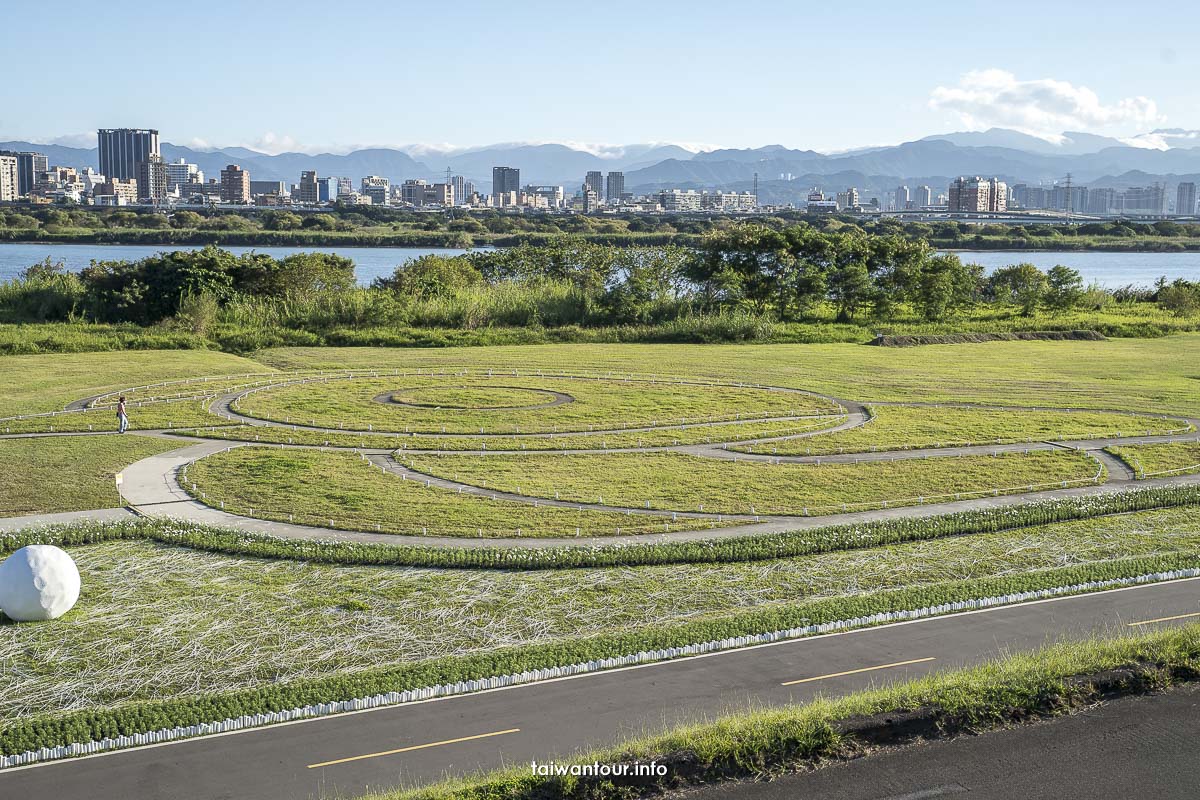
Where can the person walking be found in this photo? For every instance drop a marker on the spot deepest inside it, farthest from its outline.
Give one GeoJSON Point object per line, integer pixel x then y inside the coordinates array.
{"type": "Point", "coordinates": [122, 417]}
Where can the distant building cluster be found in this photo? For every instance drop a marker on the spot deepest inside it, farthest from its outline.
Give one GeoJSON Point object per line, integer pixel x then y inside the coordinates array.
{"type": "Point", "coordinates": [132, 172]}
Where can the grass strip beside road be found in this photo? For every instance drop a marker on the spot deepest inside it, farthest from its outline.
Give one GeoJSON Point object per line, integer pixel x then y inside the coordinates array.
{"type": "Point", "coordinates": [1056, 680]}
{"type": "Point", "coordinates": [1149, 460]}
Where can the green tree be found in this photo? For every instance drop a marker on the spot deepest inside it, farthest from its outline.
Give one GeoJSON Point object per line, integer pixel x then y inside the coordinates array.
{"type": "Point", "coordinates": [1023, 285]}
{"type": "Point", "coordinates": [1064, 288]}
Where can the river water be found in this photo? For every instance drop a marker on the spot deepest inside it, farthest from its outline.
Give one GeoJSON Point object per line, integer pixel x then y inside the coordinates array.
{"type": "Point", "coordinates": [1111, 270]}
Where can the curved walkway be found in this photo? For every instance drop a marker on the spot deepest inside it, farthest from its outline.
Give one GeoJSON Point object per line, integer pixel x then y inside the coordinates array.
{"type": "Point", "coordinates": [152, 489]}
{"type": "Point", "coordinates": [559, 399]}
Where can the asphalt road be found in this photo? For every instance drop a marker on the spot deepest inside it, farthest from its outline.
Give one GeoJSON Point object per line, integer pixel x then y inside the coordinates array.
{"type": "Point", "coordinates": [1136, 747]}
{"type": "Point", "coordinates": [348, 754]}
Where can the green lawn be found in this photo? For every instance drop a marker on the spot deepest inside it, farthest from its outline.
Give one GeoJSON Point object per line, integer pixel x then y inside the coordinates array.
{"type": "Point", "coordinates": [1148, 460]}
{"type": "Point", "coordinates": [680, 482]}
{"type": "Point", "coordinates": [38, 383]}
{"type": "Point", "coordinates": [904, 428]}
{"type": "Point", "coordinates": [320, 488]}
{"type": "Point", "coordinates": [179, 414]}
{"type": "Point", "coordinates": [156, 621]}
{"type": "Point", "coordinates": [660, 437]}
{"type": "Point", "coordinates": [1138, 375]}
{"type": "Point", "coordinates": [67, 473]}
{"type": "Point", "coordinates": [598, 404]}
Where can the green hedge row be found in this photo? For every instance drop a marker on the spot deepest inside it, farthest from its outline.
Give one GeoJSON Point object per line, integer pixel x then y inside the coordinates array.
{"type": "Point", "coordinates": [728, 550]}
{"type": "Point", "coordinates": [143, 716]}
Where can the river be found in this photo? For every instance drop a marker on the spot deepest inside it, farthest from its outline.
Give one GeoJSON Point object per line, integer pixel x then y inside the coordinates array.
{"type": "Point", "coordinates": [1111, 270]}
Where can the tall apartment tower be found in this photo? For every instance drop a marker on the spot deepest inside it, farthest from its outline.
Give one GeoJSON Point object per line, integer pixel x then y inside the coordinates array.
{"type": "Point", "coordinates": [595, 182]}
{"type": "Point", "coordinates": [978, 195]}
{"type": "Point", "coordinates": [122, 149]}
{"type": "Point", "coordinates": [235, 185]}
{"type": "Point", "coordinates": [8, 178]}
{"type": "Point", "coordinates": [901, 198]}
{"type": "Point", "coordinates": [924, 196]}
{"type": "Point", "coordinates": [458, 184]}
{"type": "Point", "coordinates": [308, 191]}
{"type": "Point", "coordinates": [152, 179]}
{"type": "Point", "coordinates": [28, 167]}
{"type": "Point", "coordinates": [506, 179]}
{"type": "Point", "coordinates": [1185, 199]}
{"type": "Point", "coordinates": [614, 187]}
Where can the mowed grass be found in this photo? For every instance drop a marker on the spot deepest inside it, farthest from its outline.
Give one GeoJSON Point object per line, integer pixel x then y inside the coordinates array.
{"type": "Point", "coordinates": [680, 482]}
{"type": "Point", "coordinates": [67, 473]}
{"type": "Point", "coordinates": [157, 622]}
{"type": "Point", "coordinates": [180, 414]}
{"type": "Point", "coordinates": [905, 427]}
{"type": "Point", "coordinates": [658, 437]}
{"type": "Point", "coordinates": [343, 491]}
{"type": "Point", "coordinates": [1139, 375]}
{"type": "Point", "coordinates": [1147, 460]}
{"type": "Point", "coordinates": [598, 404]}
{"type": "Point", "coordinates": [38, 383]}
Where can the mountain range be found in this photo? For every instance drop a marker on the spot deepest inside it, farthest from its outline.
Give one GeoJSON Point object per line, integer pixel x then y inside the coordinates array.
{"type": "Point", "coordinates": [784, 175]}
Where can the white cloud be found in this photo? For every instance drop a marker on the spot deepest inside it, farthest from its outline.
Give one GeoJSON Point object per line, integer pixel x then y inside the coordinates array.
{"type": "Point", "coordinates": [1044, 107]}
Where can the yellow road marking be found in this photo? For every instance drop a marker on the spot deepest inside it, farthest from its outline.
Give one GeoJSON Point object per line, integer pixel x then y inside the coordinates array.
{"type": "Point", "coordinates": [1162, 619]}
{"type": "Point", "coordinates": [413, 747]}
{"type": "Point", "coordinates": [863, 669]}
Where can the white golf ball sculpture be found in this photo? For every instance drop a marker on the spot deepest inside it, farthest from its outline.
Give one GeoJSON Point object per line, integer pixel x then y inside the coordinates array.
{"type": "Point", "coordinates": [38, 582]}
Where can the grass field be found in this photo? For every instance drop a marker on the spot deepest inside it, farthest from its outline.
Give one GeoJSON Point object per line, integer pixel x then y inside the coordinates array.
{"type": "Point", "coordinates": [597, 405]}
{"type": "Point", "coordinates": [903, 428]}
{"type": "Point", "coordinates": [1139, 375]}
{"type": "Point", "coordinates": [1148, 460]}
{"type": "Point", "coordinates": [156, 621]}
{"type": "Point", "coordinates": [67, 473]}
{"type": "Point", "coordinates": [179, 414]}
{"type": "Point", "coordinates": [660, 437]}
{"type": "Point", "coordinates": [322, 487]}
{"type": "Point", "coordinates": [679, 482]}
{"type": "Point", "coordinates": [39, 383]}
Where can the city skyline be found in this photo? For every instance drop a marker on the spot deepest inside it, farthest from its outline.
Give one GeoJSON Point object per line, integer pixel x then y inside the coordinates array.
{"type": "Point", "coordinates": [537, 89]}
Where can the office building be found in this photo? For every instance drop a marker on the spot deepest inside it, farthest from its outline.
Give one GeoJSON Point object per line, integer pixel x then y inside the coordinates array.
{"type": "Point", "coordinates": [848, 200]}
{"type": "Point", "coordinates": [308, 191]}
{"type": "Point", "coordinates": [180, 173]}
{"type": "Point", "coordinates": [377, 188]}
{"type": "Point", "coordinates": [614, 187]}
{"type": "Point", "coordinates": [551, 195]}
{"type": "Point", "coordinates": [29, 166]}
{"type": "Point", "coordinates": [679, 200]}
{"type": "Point", "coordinates": [235, 185]}
{"type": "Point", "coordinates": [505, 180]}
{"type": "Point", "coordinates": [978, 195]}
{"type": "Point", "coordinates": [420, 193]}
{"type": "Point", "coordinates": [122, 149]}
{"type": "Point", "coordinates": [123, 192]}
{"type": "Point", "coordinates": [277, 188]}
{"type": "Point", "coordinates": [327, 190]}
{"type": "Point", "coordinates": [594, 181]}
{"type": "Point", "coordinates": [1185, 199]}
{"type": "Point", "coordinates": [9, 179]}
{"type": "Point", "coordinates": [152, 180]}
{"type": "Point", "coordinates": [591, 198]}
{"type": "Point", "coordinates": [900, 202]}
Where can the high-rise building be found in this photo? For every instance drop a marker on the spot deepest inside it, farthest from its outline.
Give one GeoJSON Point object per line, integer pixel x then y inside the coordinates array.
{"type": "Point", "coordinates": [308, 192]}
{"type": "Point", "coordinates": [377, 188]}
{"type": "Point", "coordinates": [1102, 201]}
{"type": "Point", "coordinates": [976, 195]}
{"type": "Point", "coordinates": [235, 185]}
{"type": "Point", "coordinates": [848, 199]}
{"type": "Point", "coordinates": [152, 179]}
{"type": "Point", "coordinates": [923, 196]}
{"type": "Point", "coordinates": [420, 193]}
{"type": "Point", "coordinates": [614, 187]}
{"type": "Point", "coordinates": [1185, 199]}
{"type": "Point", "coordinates": [594, 181]}
{"type": "Point", "coordinates": [29, 166]}
{"type": "Point", "coordinates": [122, 149]}
{"type": "Point", "coordinates": [901, 201]}
{"type": "Point", "coordinates": [505, 180]}
{"type": "Point", "coordinates": [327, 190]}
{"type": "Point", "coordinates": [9, 179]}
{"type": "Point", "coordinates": [458, 185]}
{"type": "Point", "coordinates": [1147, 201]}
{"type": "Point", "coordinates": [181, 173]}
{"type": "Point", "coordinates": [591, 198]}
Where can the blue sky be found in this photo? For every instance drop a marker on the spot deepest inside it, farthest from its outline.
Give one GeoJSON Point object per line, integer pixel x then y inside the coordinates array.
{"type": "Point", "coordinates": [828, 76]}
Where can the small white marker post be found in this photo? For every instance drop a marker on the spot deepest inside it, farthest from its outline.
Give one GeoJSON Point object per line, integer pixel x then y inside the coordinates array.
{"type": "Point", "coordinates": [120, 478]}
